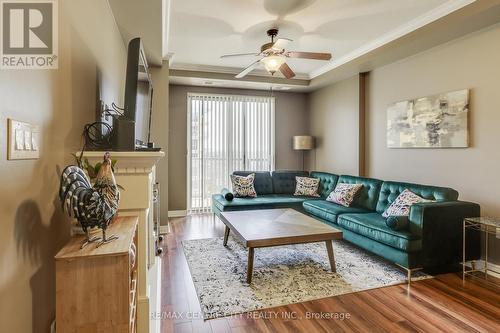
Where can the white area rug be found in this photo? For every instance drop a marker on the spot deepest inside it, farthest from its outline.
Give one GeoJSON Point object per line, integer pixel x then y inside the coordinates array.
{"type": "Point", "coordinates": [282, 275]}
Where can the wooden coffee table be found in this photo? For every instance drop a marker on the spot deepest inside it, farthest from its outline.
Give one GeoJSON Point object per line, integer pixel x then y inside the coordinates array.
{"type": "Point", "coordinates": [275, 227]}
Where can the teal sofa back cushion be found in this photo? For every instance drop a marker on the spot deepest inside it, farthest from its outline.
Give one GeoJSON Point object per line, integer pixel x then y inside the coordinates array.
{"type": "Point", "coordinates": [263, 182]}
{"type": "Point", "coordinates": [327, 182]}
{"type": "Point", "coordinates": [284, 181]}
{"type": "Point", "coordinates": [367, 197]}
{"type": "Point", "coordinates": [390, 191]}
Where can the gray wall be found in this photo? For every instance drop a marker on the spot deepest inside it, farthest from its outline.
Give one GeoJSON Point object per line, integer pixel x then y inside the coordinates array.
{"type": "Point", "coordinates": [92, 57]}
{"type": "Point", "coordinates": [470, 62]}
{"type": "Point", "coordinates": [291, 119]}
{"type": "Point", "coordinates": [333, 112]}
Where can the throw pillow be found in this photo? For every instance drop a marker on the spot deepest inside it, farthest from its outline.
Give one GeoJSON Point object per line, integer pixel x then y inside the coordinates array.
{"type": "Point", "coordinates": [344, 194]}
{"type": "Point", "coordinates": [401, 206]}
{"type": "Point", "coordinates": [397, 222]}
{"type": "Point", "coordinates": [227, 194]}
{"type": "Point", "coordinates": [243, 186]}
{"type": "Point", "coordinates": [307, 186]}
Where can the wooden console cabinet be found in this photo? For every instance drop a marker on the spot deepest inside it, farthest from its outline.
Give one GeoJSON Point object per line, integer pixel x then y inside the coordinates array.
{"type": "Point", "coordinates": [135, 171]}
{"type": "Point", "coordinates": [96, 287]}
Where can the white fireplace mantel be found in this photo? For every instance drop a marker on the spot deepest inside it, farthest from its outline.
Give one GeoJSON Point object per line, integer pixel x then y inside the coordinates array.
{"type": "Point", "coordinates": [128, 161]}
{"type": "Point", "coordinates": [135, 172]}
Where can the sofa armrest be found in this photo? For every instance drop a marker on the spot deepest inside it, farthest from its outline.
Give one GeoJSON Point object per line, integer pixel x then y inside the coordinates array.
{"type": "Point", "coordinates": [218, 203]}
{"type": "Point", "coordinates": [228, 195]}
{"type": "Point", "coordinates": [440, 226]}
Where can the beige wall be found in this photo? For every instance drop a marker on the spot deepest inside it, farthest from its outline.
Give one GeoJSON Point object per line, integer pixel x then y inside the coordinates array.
{"type": "Point", "coordinates": [61, 102]}
{"type": "Point", "coordinates": [334, 122]}
{"type": "Point", "coordinates": [471, 62]}
{"type": "Point", "coordinates": [291, 119]}
{"type": "Point", "coordinates": [159, 131]}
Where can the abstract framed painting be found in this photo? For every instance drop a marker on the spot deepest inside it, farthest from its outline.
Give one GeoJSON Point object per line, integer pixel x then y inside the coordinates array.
{"type": "Point", "coordinates": [437, 121]}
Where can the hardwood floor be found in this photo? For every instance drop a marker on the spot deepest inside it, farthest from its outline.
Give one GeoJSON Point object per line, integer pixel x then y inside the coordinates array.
{"type": "Point", "coordinates": [443, 304]}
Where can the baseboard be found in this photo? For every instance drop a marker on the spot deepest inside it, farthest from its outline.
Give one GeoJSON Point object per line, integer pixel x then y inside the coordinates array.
{"type": "Point", "coordinates": [164, 229]}
{"type": "Point", "coordinates": [493, 269]}
{"type": "Point", "coordinates": [496, 269]}
{"type": "Point", "coordinates": [177, 213]}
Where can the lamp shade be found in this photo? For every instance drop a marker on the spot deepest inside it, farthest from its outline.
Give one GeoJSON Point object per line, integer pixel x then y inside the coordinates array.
{"type": "Point", "coordinates": [303, 142]}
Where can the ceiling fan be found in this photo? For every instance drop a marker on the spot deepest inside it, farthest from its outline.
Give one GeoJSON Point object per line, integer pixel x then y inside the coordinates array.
{"type": "Point", "coordinates": [273, 56]}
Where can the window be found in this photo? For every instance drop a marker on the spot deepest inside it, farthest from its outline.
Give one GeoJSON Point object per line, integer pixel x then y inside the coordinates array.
{"type": "Point", "coordinates": [226, 133]}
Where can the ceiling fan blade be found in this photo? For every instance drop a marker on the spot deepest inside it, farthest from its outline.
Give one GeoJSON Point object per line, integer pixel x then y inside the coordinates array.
{"type": "Point", "coordinates": [281, 43]}
{"type": "Point", "coordinates": [286, 71]}
{"type": "Point", "coordinates": [309, 55]}
{"type": "Point", "coordinates": [239, 55]}
{"type": "Point", "coordinates": [248, 69]}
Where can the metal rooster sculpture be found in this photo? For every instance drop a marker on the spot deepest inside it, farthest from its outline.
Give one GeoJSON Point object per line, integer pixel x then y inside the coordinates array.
{"type": "Point", "coordinates": [92, 206]}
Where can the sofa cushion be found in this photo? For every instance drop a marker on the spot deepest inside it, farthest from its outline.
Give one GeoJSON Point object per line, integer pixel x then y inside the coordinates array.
{"type": "Point", "coordinates": [367, 197]}
{"type": "Point", "coordinates": [262, 201]}
{"type": "Point", "coordinates": [327, 182]}
{"type": "Point", "coordinates": [391, 190]}
{"type": "Point", "coordinates": [398, 222]}
{"type": "Point", "coordinates": [263, 182]}
{"type": "Point", "coordinates": [328, 211]}
{"type": "Point", "coordinates": [284, 181]}
{"type": "Point", "coordinates": [373, 226]}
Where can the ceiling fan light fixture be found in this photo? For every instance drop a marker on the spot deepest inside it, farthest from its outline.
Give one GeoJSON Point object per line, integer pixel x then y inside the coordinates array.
{"type": "Point", "coordinates": [274, 55]}
{"type": "Point", "coordinates": [273, 63]}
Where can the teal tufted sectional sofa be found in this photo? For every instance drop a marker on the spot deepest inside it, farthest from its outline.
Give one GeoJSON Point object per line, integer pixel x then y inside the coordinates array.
{"type": "Point", "coordinates": [432, 239]}
{"type": "Point", "coordinates": [273, 191]}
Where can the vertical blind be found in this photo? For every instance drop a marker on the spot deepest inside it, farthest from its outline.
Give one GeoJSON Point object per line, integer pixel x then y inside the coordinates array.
{"type": "Point", "coordinates": [226, 133]}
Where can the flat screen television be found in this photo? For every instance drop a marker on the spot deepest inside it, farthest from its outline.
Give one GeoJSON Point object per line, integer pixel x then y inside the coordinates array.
{"type": "Point", "coordinates": [132, 129]}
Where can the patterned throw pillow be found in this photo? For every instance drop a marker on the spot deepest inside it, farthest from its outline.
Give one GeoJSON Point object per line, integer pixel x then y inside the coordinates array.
{"type": "Point", "coordinates": [344, 194]}
{"type": "Point", "coordinates": [401, 206]}
{"type": "Point", "coordinates": [243, 186]}
{"type": "Point", "coordinates": [307, 186]}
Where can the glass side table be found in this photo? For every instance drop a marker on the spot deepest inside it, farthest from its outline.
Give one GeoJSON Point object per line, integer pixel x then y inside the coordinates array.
{"type": "Point", "coordinates": [488, 226]}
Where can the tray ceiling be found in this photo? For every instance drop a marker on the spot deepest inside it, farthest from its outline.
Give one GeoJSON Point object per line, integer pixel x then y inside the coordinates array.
{"type": "Point", "coordinates": [200, 31]}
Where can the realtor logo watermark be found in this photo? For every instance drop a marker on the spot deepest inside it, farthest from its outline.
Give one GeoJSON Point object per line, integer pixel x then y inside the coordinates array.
{"type": "Point", "coordinates": [29, 34]}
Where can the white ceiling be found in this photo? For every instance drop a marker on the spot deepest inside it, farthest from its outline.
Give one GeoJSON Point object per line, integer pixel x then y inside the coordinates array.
{"type": "Point", "coordinates": [142, 19]}
{"type": "Point", "coordinates": [200, 31]}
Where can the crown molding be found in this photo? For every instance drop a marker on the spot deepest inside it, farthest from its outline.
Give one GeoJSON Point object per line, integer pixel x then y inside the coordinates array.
{"type": "Point", "coordinates": [229, 70]}
{"type": "Point", "coordinates": [167, 12]}
{"type": "Point", "coordinates": [439, 12]}
{"type": "Point", "coordinates": [230, 77]}
{"type": "Point", "coordinates": [452, 20]}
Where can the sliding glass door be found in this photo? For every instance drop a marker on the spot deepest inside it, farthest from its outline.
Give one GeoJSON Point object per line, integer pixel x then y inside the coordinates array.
{"type": "Point", "coordinates": [226, 133]}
